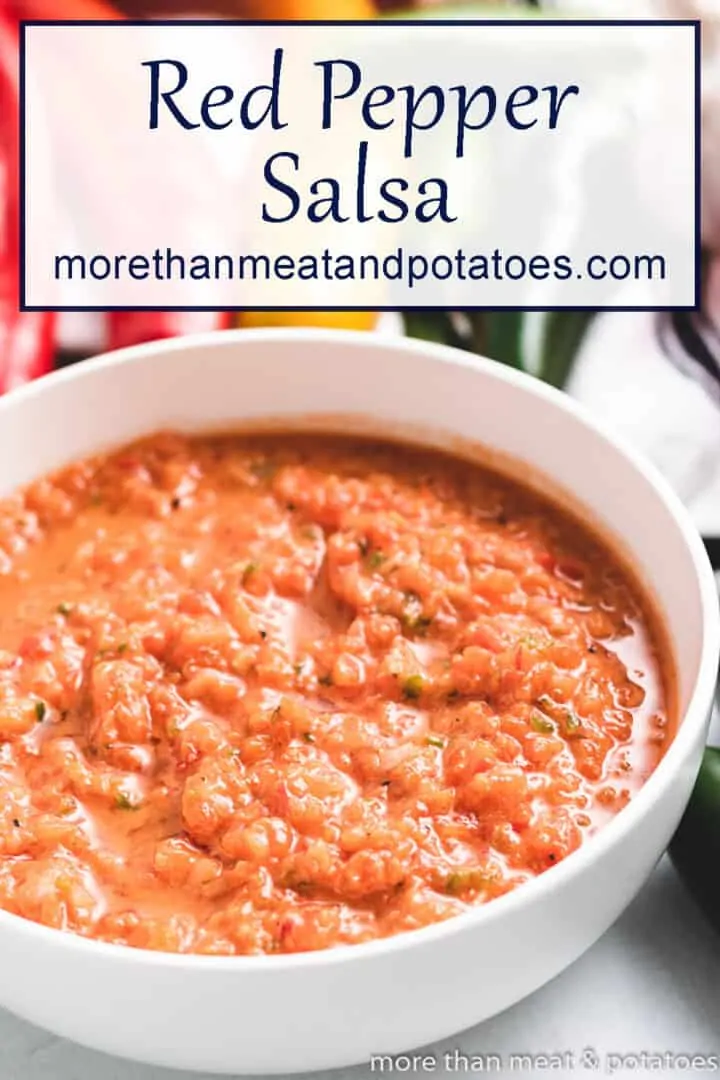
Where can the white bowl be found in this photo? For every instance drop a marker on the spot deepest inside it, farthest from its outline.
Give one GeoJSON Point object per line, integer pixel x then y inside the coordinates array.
{"type": "Point", "coordinates": [310, 1011]}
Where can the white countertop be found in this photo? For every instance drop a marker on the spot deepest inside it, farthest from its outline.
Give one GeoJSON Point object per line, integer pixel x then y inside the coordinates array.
{"type": "Point", "coordinates": [650, 984]}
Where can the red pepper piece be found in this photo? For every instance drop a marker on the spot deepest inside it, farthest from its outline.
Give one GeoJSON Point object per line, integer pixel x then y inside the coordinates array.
{"type": "Point", "coordinates": [134, 327]}
{"type": "Point", "coordinates": [26, 338]}
{"type": "Point", "coordinates": [124, 328]}
{"type": "Point", "coordinates": [82, 10]}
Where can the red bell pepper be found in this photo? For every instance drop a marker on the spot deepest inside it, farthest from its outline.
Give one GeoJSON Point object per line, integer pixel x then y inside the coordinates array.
{"type": "Point", "coordinates": [26, 338]}
{"type": "Point", "coordinates": [79, 10]}
{"type": "Point", "coordinates": [134, 327]}
{"type": "Point", "coordinates": [123, 327]}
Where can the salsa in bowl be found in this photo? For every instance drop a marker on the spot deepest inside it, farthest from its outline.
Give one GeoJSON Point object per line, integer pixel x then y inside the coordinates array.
{"type": "Point", "coordinates": [276, 693]}
{"type": "Point", "coordinates": [314, 689]}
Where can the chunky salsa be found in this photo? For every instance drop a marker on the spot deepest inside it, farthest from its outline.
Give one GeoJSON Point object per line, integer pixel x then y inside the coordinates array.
{"type": "Point", "coordinates": [274, 693]}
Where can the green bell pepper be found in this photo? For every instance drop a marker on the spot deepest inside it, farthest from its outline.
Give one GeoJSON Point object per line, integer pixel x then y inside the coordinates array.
{"type": "Point", "coordinates": [695, 848]}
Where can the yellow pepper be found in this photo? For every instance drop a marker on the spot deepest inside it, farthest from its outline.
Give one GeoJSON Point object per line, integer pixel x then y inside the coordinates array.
{"type": "Point", "coordinates": [332, 320]}
{"type": "Point", "coordinates": [342, 10]}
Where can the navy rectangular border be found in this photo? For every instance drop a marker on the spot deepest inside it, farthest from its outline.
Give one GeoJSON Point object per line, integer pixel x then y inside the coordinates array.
{"type": "Point", "coordinates": [390, 22]}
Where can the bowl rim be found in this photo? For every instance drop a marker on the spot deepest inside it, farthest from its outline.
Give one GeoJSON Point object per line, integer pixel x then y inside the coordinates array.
{"type": "Point", "coordinates": [694, 716]}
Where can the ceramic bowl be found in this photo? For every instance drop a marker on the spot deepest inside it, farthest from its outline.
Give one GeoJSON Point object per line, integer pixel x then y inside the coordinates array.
{"type": "Point", "coordinates": [286, 1013]}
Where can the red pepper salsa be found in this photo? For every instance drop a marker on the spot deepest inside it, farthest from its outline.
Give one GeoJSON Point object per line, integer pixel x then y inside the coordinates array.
{"type": "Point", "coordinates": [274, 693]}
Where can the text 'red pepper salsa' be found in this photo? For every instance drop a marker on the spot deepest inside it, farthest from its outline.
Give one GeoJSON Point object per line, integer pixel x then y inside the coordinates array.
{"type": "Point", "coordinates": [274, 693]}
